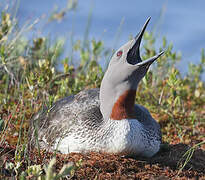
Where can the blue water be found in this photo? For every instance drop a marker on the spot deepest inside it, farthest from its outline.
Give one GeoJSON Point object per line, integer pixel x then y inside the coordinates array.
{"type": "Point", "coordinates": [181, 21]}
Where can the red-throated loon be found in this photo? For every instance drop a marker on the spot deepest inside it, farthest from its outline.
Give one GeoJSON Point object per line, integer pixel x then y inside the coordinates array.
{"type": "Point", "coordinates": [105, 119]}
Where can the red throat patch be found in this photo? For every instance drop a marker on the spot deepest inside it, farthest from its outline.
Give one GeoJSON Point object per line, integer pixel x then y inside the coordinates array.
{"type": "Point", "coordinates": [124, 106]}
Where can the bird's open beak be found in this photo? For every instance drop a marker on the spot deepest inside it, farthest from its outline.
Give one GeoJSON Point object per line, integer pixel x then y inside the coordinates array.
{"type": "Point", "coordinates": [133, 56]}
{"type": "Point", "coordinates": [149, 61]}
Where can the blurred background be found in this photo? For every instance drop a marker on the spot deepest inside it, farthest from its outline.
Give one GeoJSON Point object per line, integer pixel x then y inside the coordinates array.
{"type": "Point", "coordinates": [181, 22]}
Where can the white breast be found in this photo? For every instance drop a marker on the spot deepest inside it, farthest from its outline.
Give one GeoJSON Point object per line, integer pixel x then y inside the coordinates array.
{"type": "Point", "coordinates": [130, 137]}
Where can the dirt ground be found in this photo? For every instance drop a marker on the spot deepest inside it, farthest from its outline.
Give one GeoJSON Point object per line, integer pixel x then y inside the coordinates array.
{"type": "Point", "coordinates": [164, 165]}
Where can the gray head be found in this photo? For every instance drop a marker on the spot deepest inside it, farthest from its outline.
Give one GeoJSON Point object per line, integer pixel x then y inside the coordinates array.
{"type": "Point", "coordinates": [121, 79]}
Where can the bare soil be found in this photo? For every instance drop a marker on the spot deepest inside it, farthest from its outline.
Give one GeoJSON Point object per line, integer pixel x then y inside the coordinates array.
{"type": "Point", "coordinates": [165, 164]}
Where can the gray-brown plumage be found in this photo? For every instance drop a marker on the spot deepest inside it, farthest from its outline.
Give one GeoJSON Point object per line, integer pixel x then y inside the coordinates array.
{"type": "Point", "coordinates": [105, 119]}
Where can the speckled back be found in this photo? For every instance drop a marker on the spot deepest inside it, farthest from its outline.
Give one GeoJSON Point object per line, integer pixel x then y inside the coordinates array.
{"type": "Point", "coordinates": [64, 116]}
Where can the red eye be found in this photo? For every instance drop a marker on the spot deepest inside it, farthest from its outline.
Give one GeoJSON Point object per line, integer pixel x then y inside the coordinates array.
{"type": "Point", "coordinates": [119, 53]}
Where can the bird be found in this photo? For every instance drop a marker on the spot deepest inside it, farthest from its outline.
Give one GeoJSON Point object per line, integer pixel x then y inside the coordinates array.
{"type": "Point", "coordinates": [104, 119]}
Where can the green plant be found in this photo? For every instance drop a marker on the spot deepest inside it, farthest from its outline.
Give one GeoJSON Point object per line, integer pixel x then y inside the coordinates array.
{"type": "Point", "coordinates": [187, 156]}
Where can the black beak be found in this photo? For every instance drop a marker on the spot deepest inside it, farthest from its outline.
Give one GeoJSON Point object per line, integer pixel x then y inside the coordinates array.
{"type": "Point", "coordinates": [149, 61]}
{"type": "Point", "coordinates": [133, 56]}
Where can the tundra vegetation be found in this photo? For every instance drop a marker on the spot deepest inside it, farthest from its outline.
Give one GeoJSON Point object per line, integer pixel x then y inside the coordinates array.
{"type": "Point", "coordinates": [33, 74]}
